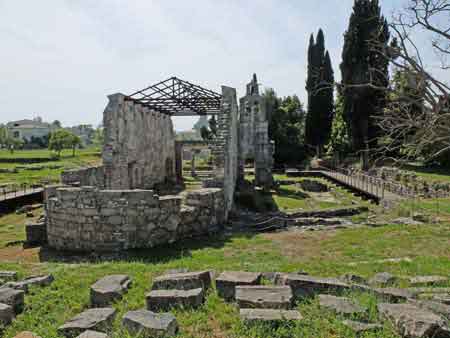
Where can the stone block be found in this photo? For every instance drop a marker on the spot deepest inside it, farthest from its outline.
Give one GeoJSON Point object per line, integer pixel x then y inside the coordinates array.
{"type": "Point", "coordinates": [393, 295]}
{"type": "Point", "coordinates": [227, 281]}
{"type": "Point", "coordinates": [36, 233]}
{"type": "Point", "coordinates": [8, 275]}
{"type": "Point", "coordinates": [109, 289]}
{"type": "Point", "coordinates": [413, 322]}
{"type": "Point", "coordinates": [99, 319]}
{"type": "Point", "coordinates": [427, 280]}
{"type": "Point", "coordinates": [308, 286]}
{"type": "Point", "coordinates": [6, 314]}
{"type": "Point", "coordinates": [360, 328]}
{"type": "Point", "coordinates": [92, 334]}
{"type": "Point", "coordinates": [341, 305]}
{"type": "Point", "coordinates": [436, 307]}
{"type": "Point", "coordinates": [251, 316]}
{"type": "Point", "coordinates": [183, 281]}
{"type": "Point", "coordinates": [149, 324]}
{"type": "Point", "coordinates": [163, 300]}
{"type": "Point", "coordinates": [31, 281]}
{"type": "Point", "coordinates": [264, 297]}
{"type": "Point", "coordinates": [13, 298]}
{"type": "Point", "coordinates": [383, 279]}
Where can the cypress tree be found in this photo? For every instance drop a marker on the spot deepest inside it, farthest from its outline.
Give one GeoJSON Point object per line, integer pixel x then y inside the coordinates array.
{"type": "Point", "coordinates": [364, 65]}
{"type": "Point", "coordinates": [319, 85]}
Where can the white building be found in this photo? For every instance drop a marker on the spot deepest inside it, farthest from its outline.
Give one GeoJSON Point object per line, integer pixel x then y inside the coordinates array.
{"type": "Point", "coordinates": [26, 129]}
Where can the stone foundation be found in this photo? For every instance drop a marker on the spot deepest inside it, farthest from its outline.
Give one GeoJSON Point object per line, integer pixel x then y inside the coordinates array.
{"type": "Point", "coordinates": [92, 176]}
{"type": "Point", "coordinates": [88, 219]}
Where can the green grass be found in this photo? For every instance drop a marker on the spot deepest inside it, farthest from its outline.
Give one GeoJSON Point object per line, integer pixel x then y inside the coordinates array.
{"type": "Point", "coordinates": [431, 174]}
{"type": "Point", "coordinates": [83, 157]}
{"type": "Point", "coordinates": [326, 254]}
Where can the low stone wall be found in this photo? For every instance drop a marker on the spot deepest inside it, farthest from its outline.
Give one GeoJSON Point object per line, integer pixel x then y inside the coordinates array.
{"type": "Point", "coordinates": [88, 219]}
{"type": "Point", "coordinates": [92, 176]}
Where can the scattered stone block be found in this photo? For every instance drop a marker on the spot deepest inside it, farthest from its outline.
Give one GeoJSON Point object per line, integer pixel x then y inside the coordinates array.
{"type": "Point", "coordinates": [383, 279]}
{"type": "Point", "coordinates": [436, 307]}
{"type": "Point", "coordinates": [92, 334]}
{"type": "Point", "coordinates": [251, 316]}
{"type": "Point", "coordinates": [413, 322]}
{"type": "Point", "coordinates": [227, 281]}
{"type": "Point", "coordinates": [149, 324]}
{"type": "Point", "coordinates": [31, 281]}
{"type": "Point", "coordinates": [360, 328]}
{"type": "Point", "coordinates": [99, 319]}
{"type": "Point", "coordinates": [308, 286]}
{"type": "Point", "coordinates": [442, 298]}
{"type": "Point", "coordinates": [393, 295]}
{"type": "Point", "coordinates": [341, 305]}
{"type": "Point", "coordinates": [264, 297]}
{"type": "Point", "coordinates": [26, 334]}
{"type": "Point", "coordinates": [8, 275]}
{"type": "Point", "coordinates": [163, 300]}
{"type": "Point", "coordinates": [427, 280]}
{"type": "Point", "coordinates": [351, 278]}
{"type": "Point", "coordinates": [12, 297]}
{"type": "Point", "coordinates": [183, 281]}
{"type": "Point", "coordinates": [109, 289]}
{"type": "Point", "coordinates": [6, 314]}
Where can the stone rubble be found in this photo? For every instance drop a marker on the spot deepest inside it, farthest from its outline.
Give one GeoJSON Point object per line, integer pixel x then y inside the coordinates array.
{"type": "Point", "coordinates": [308, 286]}
{"type": "Point", "coordinates": [264, 297]}
{"type": "Point", "coordinates": [149, 324]}
{"type": "Point", "coordinates": [360, 328]}
{"type": "Point", "coordinates": [98, 319]}
{"type": "Point", "coordinates": [183, 281]}
{"type": "Point", "coordinates": [109, 289]}
{"type": "Point", "coordinates": [24, 285]}
{"type": "Point", "coordinates": [227, 281]}
{"type": "Point", "coordinates": [251, 316]}
{"type": "Point", "coordinates": [12, 297]}
{"type": "Point", "coordinates": [6, 314]}
{"type": "Point", "coordinates": [427, 280]}
{"type": "Point", "coordinates": [164, 300]}
{"type": "Point", "coordinates": [8, 276]}
{"type": "Point", "coordinates": [92, 334]}
{"type": "Point", "coordinates": [383, 279]}
{"type": "Point", "coordinates": [341, 305]}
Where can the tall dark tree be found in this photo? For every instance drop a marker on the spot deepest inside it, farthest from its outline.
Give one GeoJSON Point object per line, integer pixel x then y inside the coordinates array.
{"type": "Point", "coordinates": [319, 84]}
{"type": "Point", "coordinates": [365, 74]}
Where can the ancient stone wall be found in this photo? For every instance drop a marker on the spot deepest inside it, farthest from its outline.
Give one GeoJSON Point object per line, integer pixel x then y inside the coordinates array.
{"type": "Point", "coordinates": [88, 219]}
{"type": "Point", "coordinates": [92, 176]}
{"type": "Point", "coordinates": [139, 148]}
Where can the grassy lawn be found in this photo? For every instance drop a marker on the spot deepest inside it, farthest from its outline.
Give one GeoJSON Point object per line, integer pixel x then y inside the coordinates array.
{"type": "Point", "coordinates": [51, 170]}
{"type": "Point", "coordinates": [325, 253]}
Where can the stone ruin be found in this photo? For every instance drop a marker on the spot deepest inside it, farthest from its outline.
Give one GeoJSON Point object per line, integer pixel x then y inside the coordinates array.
{"type": "Point", "coordinates": [115, 206]}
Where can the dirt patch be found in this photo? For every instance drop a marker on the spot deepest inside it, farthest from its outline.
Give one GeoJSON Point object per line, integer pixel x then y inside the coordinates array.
{"type": "Point", "coordinates": [17, 254]}
{"type": "Point", "coordinates": [302, 245]}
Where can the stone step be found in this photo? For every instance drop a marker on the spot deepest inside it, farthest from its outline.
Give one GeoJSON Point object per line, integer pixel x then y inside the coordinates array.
{"type": "Point", "coordinates": [251, 316]}
{"type": "Point", "coordinates": [183, 281]}
{"type": "Point", "coordinates": [264, 297]}
{"type": "Point", "coordinates": [227, 281]}
{"type": "Point", "coordinates": [109, 289]}
{"type": "Point", "coordinates": [164, 300]}
{"type": "Point", "coordinates": [149, 324]}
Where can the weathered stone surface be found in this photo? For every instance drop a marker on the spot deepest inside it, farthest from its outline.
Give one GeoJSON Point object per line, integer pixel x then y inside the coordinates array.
{"type": "Point", "coordinates": [307, 286]}
{"type": "Point", "coordinates": [150, 324]}
{"type": "Point", "coordinates": [31, 281]}
{"type": "Point", "coordinates": [383, 279]}
{"type": "Point", "coordinates": [341, 305]}
{"type": "Point", "coordinates": [162, 300]}
{"type": "Point", "coordinates": [437, 307]}
{"type": "Point", "coordinates": [183, 281]}
{"type": "Point", "coordinates": [264, 297]}
{"type": "Point", "coordinates": [269, 315]}
{"type": "Point", "coordinates": [26, 334]}
{"type": "Point", "coordinates": [6, 314]}
{"type": "Point", "coordinates": [92, 334]}
{"type": "Point", "coordinates": [99, 319]}
{"type": "Point", "coordinates": [351, 278]}
{"type": "Point", "coordinates": [109, 289]}
{"type": "Point", "coordinates": [360, 327]}
{"type": "Point", "coordinates": [36, 233]}
{"type": "Point", "coordinates": [227, 281]}
{"type": "Point", "coordinates": [8, 275]}
{"type": "Point", "coordinates": [427, 280]}
{"type": "Point", "coordinates": [427, 290]}
{"type": "Point", "coordinates": [442, 298]}
{"type": "Point", "coordinates": [392, 294]}
{"type": "Point", "coordinates": [12, 297]}
{"type": "Point", "coordinates": [313, 186]}
{"type": "Point", "coordinates": [413, 322]}
{"type": "Point", "coordinates": [340, 212]}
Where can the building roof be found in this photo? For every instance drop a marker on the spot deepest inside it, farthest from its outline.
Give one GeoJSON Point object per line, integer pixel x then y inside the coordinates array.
{"type": "Point", "coordinates": [28, 124]}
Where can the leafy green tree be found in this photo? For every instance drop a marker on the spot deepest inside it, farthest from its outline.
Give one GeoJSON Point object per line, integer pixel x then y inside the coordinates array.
{"type": "Point", "coordinates": [339, 143]}
{"type": "Point", "coordinates": [320, 87]}
{"type": "Point", "coordinates": [3, 135]}
{"type": "Point", "coordinates": [286, 127]}
{"type": "Point", "coordinates": [208, 133]}
{"type": "Point", "coordinates": [364, 69]}
{"type": "Point", "coordinates": [63, 139]}
{"type": "Point", "coordinates": [99, 137]}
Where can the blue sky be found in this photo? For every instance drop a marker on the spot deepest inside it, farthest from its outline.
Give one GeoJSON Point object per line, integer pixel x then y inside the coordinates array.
{"type": "Point", "coordinates": [61, 58]}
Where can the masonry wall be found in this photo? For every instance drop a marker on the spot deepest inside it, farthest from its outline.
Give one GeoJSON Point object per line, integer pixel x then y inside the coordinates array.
{"type": "Point", "coordinates": [139, 148]}
{"type": "Point", "coordinates": [88, 219]}
{"type": "Point", "coordinates": [92, 176]}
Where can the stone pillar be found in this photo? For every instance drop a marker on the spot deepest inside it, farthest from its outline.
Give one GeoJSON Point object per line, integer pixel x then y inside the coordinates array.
{"type": "Point", "coordinates": [179, 161]}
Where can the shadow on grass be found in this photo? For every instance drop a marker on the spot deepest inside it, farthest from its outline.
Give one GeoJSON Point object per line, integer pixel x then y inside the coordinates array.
{"type": "Point", "coordinates": [160, 254]}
